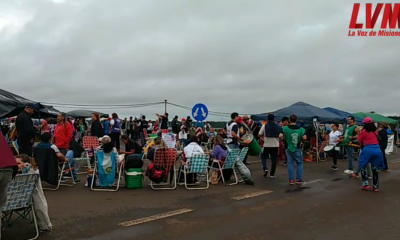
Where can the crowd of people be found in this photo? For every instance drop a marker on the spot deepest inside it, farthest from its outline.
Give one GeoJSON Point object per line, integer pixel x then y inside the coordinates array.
{"type": "Point", "coordinates": [64, 135]}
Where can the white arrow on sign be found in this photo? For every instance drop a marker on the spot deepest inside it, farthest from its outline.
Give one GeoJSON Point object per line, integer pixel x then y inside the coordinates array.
{"type": "Point", "coordinates": [203, 113]}
{"type": "Point", "coordinates": [196, 112]}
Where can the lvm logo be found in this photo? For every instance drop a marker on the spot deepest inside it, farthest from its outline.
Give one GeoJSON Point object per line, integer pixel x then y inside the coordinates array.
{"type": "Point", "coordinates": [390, 19]}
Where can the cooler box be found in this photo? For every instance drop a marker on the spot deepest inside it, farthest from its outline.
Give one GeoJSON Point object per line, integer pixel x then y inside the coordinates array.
{"type": "Point", "coordinates": [134, 178]}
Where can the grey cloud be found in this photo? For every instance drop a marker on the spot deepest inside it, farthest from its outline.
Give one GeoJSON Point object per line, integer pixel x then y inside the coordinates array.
{"type": "Point", "coordinates": [245, 56]}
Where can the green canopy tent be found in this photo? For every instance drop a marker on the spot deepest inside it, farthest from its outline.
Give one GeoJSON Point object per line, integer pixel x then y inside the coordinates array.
{"type": "Point", "coordinates": [376, 117]}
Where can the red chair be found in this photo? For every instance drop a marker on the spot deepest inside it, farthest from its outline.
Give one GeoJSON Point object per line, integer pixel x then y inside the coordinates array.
{"type": "Point", "coordinates": [166, 158]}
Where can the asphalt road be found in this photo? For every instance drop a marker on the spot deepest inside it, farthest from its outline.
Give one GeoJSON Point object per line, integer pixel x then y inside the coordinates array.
{"type": "Point", "coordinates": [330, 206]}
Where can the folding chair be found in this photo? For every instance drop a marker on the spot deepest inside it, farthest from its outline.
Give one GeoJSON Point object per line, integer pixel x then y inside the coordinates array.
{"type": "Point", "coordinates": [16, 147]}
{"type": "Point", "coordinates": [19, 200]}
{"type": "Point", "coordinates": [89, 143]}
{"type": "Point", "coordinates": [113, 157]}
{"type": "Point", "coordinates": [42, 157]}
{"type": "Point", "coordinates": [229, 163]}
{"type": "Point", "coordinates": [198, 164]}
{"type": "Point", "coordinates": [165, 158]}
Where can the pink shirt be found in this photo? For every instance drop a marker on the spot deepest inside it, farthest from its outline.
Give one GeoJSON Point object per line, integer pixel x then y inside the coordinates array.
{"type": "Point", "coordinates": [368, 138]}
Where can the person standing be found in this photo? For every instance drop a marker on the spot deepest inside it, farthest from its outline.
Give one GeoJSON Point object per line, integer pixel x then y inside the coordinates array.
{"type": "Point", "coordinates": [175, 126]}
{"type": "Point", "coordinates": [63, 133]}
{"type": "Point", "coordinates": [8, 170]}
{"type": "Point", "coordinates": [25, 130]}
{"type": "Point", "coordinates": [232, 131]}
{"type": "Point", "coordinates": [293, 134]}
{"type": "Point", "coordinates": [383, 134]}
{"type": "Point", "coordinates": [164, 122]}
{"type": "Point", "coordinates": [350, 134]}
{"type": "Point", "coordinates": [115, 125]}
{"type": "Point", "coordinates": [130, 127]}
{"type": "Point", "coordinates": [370, 154]}
{"type": "Point", "coordinates": [270, 131]}
{"type": "Point", "coordinates": [96, 129]}
{"type": "Point", "coordinates": [107, 127]}
{"type": "Point", "coordinates": [144, 124]}
{"type": "Point", "coordinates": [207, 127]}
{"type": "Point", "coordinates": [284, 123]}
{"type": "Point", "coordinates": [334, 139]}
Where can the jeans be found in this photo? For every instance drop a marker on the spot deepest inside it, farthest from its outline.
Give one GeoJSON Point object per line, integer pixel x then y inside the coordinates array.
{"type": "Point", "coordinates": [115, 140]}
{"type": "Point", "coordinates": [375, 177]}
{"type": "Point", "coordinates": [384, 158]}
{"type": "Point", "coordinates": [349, 153]}
{"type": "Point", "coordinates": [5, 178]}
{"type": "Point", "coordinates": [70, 156]}
{"type": "Point", "coordinates": [142, 139]}
{"type": "Point", "coordinates": [243, 170]}
{"type": "Point", "coordinates": [296, 156]}
{"type": "Point", "coordinates": [273, 152]}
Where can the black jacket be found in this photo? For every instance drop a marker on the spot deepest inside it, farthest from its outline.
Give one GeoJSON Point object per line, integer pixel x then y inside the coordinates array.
{"type": "Point", "coordinates": [47, 161]}
{"type": "Point", "coordinates": [25, 129]}
{"type": "Point", "coordinates": [384, 136]}
{"type": "Point", "coordinates": [97, 129]}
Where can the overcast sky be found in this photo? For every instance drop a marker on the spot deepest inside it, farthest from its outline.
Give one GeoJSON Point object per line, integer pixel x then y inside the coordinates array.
{"type": "Point", "coordinates": [245, 56]}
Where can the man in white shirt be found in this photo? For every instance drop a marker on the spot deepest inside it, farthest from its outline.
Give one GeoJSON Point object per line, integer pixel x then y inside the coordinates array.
{"type": "Point", "coordinates": [270, 131]}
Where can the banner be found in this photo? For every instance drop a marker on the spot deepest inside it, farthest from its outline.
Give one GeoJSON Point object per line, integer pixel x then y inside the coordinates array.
{"type": "Point", "coordinates": [390, 145]}
{"type": "Point", "coordinates": [169, 139]}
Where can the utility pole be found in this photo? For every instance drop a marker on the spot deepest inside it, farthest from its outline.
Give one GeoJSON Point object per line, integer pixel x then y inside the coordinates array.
{"type": "Point", "coordinates": [165, 102]}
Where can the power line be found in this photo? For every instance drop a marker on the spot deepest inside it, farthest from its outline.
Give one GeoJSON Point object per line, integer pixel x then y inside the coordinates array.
{"type": "Point", "coordinates": [210, 112]}
{"type": "Point", "coordinates": [102, 105]}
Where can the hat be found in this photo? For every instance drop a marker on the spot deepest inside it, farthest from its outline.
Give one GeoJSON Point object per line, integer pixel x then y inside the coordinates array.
{"type": "Point", "coordinates": [105, 139]}
{"type": "Point", "coordinates": [31, 105]}
{"type": "Point", "coordinates": [183, 119]}
{"type": "Point", "coordinates": [108, 118]}
{"type": "Point", "coordinates": [176, 116]}
{"type": "Point", "coordinates": [367, 120]}
{"type": "Point", "coordinates": [240, 119]}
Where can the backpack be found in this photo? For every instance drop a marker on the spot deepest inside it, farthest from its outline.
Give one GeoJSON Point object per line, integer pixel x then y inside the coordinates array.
{"type": "Point", "coordinates": [156, 174]}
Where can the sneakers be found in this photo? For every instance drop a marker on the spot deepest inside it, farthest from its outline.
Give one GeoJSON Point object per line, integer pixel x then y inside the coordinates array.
{"type": "Point", "coordinates": [348, 171]}
{"type": "Point", "coordinates": [291, 182]}
{"type": "Point", "coordinates": [272, 176]}
{"type": "Point", "coordinates": [249, 182]}
{"type": "Point", "coordinates": [376, 189]}
{"type": "Point", "coordinates": [299, 181]}
{"type": "Point", "coordinates": [366, 187]}
{"type": "Point", "coordinates": [354, 175]}
{"type": "Point", "coordinates": [334, 168]}
{"type": "Point", "coordinates": [265, 173]}
{"type": "Point", "coordinates": [77, 180]}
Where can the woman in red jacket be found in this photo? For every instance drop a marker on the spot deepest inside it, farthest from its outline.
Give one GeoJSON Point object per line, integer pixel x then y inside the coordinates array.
{"type": "Point", "coordinates": [63, 133]}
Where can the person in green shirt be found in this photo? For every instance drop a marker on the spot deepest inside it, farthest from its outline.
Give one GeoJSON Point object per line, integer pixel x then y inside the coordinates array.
{"type": "Point", "coordinates": [350, 134]}
{"type": "Point", "coordinates": [293, 135]}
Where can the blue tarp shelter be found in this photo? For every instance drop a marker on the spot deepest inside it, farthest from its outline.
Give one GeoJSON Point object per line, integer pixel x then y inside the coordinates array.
{"type": "Point", "coordinates": [344, 114]}
{"type": "Point", "coordinates": [305, 113]}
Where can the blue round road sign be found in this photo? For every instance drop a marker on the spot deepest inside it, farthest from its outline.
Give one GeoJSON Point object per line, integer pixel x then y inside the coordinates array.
{"type": "Point", "coordinates": [199, 112]}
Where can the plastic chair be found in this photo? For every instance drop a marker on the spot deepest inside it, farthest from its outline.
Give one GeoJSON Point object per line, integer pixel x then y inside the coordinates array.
{"type": "Point", "coordinates": [19, 200]}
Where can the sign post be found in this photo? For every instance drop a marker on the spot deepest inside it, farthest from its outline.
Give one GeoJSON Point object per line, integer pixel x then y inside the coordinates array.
{"type": "Point", "coordinates": [199, 112]}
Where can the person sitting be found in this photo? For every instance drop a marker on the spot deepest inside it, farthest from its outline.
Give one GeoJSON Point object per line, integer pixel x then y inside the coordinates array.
{"type": "Point", "coordinates": [158, 143]}
{"type": "Point", "coordinates": [109, 161]}
{"type": "Point", "coordinates": [193, 148]}
{"type": "Point", "coordinates": [69, 156]}
{"type": "Point", "coordinates": [28, 165]}
{"type": "Point", "coordinates": [212, 134]}
{"type": "Point", "coordinates": [131, 147]}
{"type": "Point", "coordinates": [220, 151]}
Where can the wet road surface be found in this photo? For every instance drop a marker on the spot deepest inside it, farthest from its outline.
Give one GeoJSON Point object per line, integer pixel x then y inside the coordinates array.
{"type": "Point", "coordinates": [330, 206]}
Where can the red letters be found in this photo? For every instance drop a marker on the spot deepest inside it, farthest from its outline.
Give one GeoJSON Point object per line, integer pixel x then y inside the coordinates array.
{"type": "Point", "coordinates": [389, 16]}
{"type": "Point", "coordinates": [354, 16]}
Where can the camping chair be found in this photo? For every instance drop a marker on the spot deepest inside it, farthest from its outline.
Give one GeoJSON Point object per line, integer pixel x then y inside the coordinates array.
{"type": "Point", "coordinates": [198, 164]}
{"type": "Point", "coordinates": [19, 200]}
{"type": "Point", "coordinates": [107, 175]}
{"type": "Point", "coordinates": [50, 168]}
{"type": "Point", "coordinates": [89, 143]}
{"type": "Point", "coordinates": [229, 163]}
{"type": "Point", "coordinates": [316, 151]}
{"type": "Point", "coordinates": [165, 158]}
